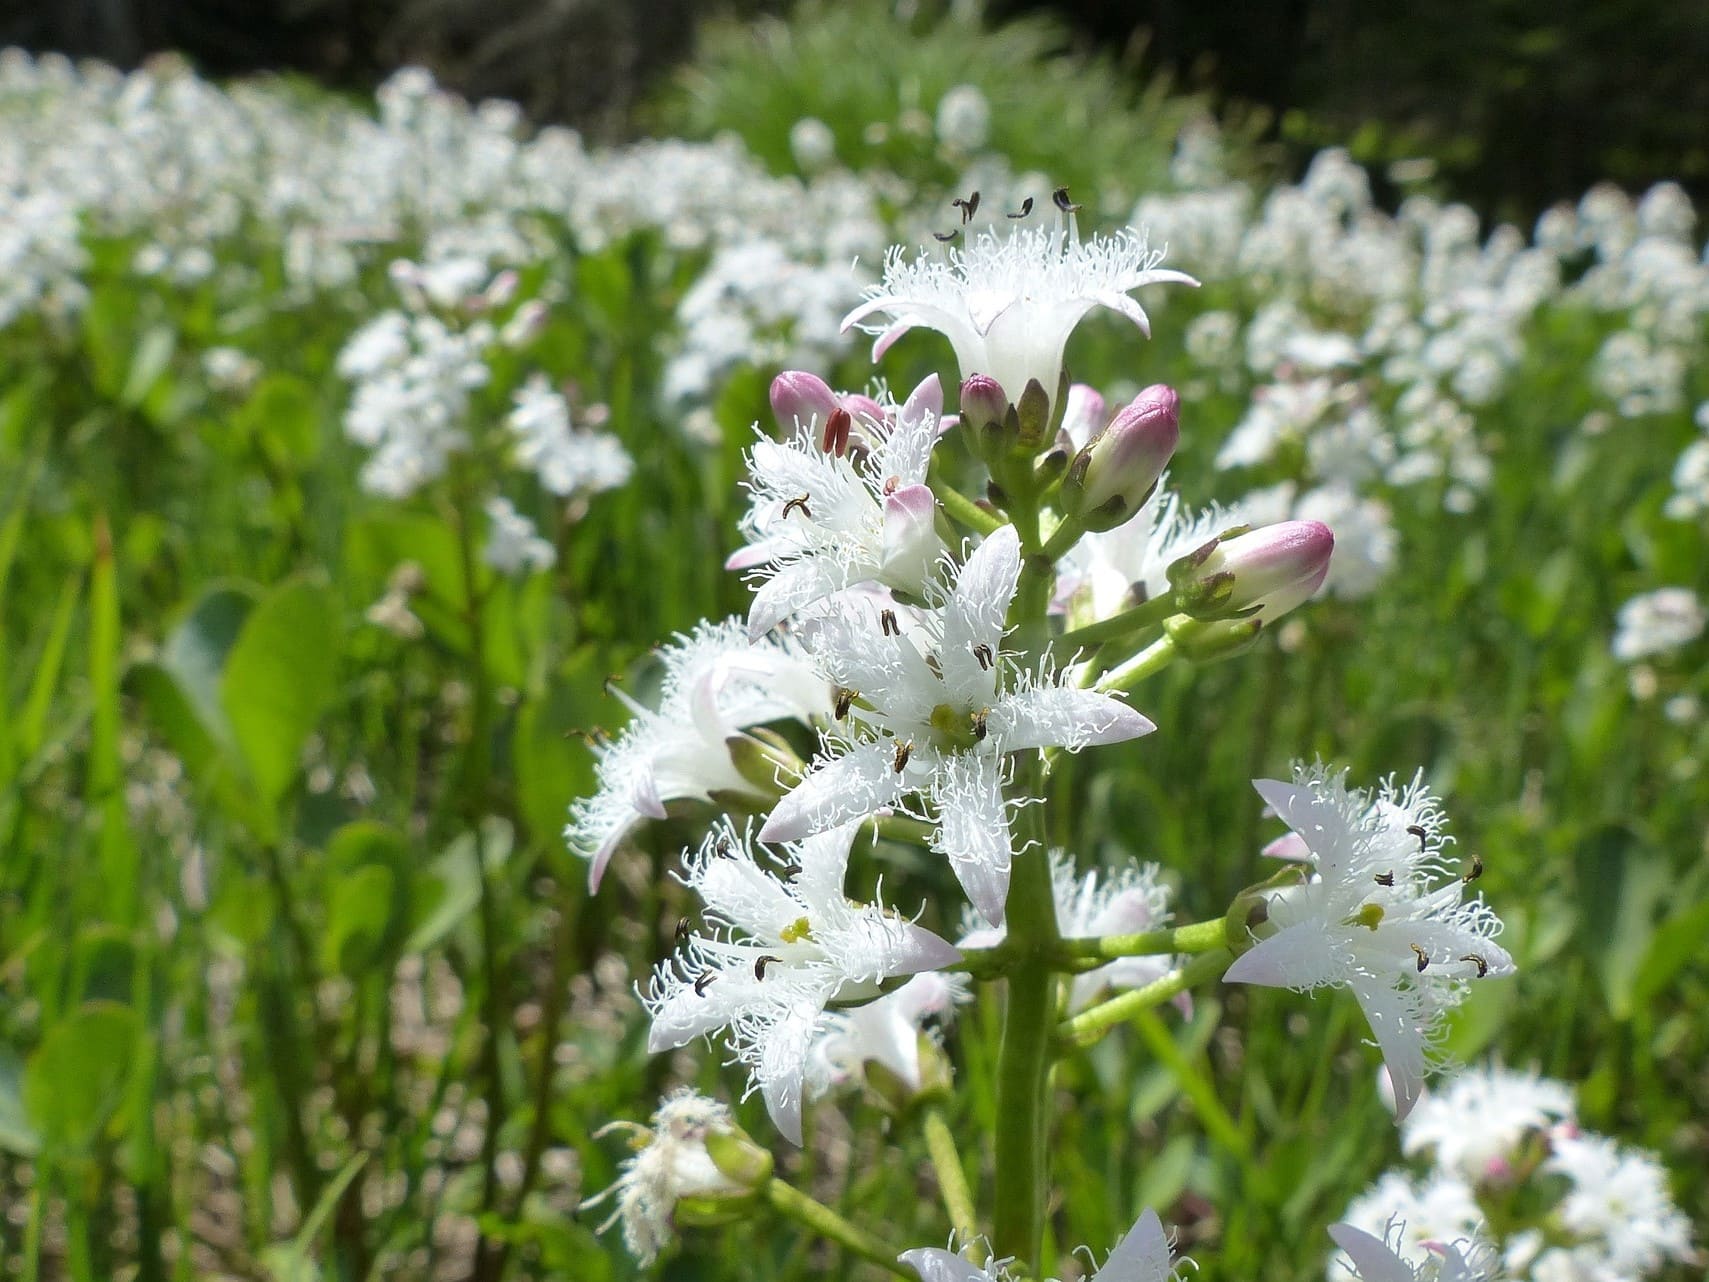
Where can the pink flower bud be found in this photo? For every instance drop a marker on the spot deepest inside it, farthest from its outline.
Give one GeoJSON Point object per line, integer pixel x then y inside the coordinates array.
{"type": "Point", "coordinates": [982, 401]}
{"type": "Point", "coordinates": [801, 400]}
{"type": "Point", "coordinates": [1265, 572]}
{"type": "Point", "coordinates": [1111, 477]}
{"type": "Point", "coordinates": [1082, 415]}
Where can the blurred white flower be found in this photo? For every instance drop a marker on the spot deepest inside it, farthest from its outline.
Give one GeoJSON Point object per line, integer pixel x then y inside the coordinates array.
{"type": "Point", "coordinates": [1476, 1121]}
{"type": "Point", "coordinates": [513, 546]}
{"type": "Point", "coordinates": [1619, 1198]}
{"type": "Point", "coordinates": [1657, 622]}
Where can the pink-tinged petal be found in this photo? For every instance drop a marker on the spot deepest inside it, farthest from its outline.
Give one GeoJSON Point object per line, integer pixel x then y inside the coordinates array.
{"type": "Point", "coordinates": [644, 794]}
{"type": "Point", "coordinates": [1322, 825]}
{"type": "Point", "coordinates": [1290, 846]}
{"type": "Point", "coordinates": [926, 399]}
{"type": "Point", "coordinates": [602, 853]}
{"type": "Point", "coordinates": [934, 1264]}
{"type": "Point", "coordinates": [1372, 1260]}
{"type": "Point", "coordinates": [1400, 1037]}
{"type": "Point", "coordinates": [973, 830]}
{"type": "Point", "coordinates": [1051, 716]}
{"type": "Point", "coordinates": [1299, 956]}
{"type": "Point", "coordinates": [911, 543]}
{"type": "Point", "coordinates": [801, 400]}
{"type": "Point", "coordinates": [762, 553]}
{"type": "Point", "coordinates": [919, 950]}
{"type": "Point", "coordinates": [1141, 1256]}
{"type": "Point", "coordinates": [836, 791]}
{"type": "Point", "coordinates": [883, 303]}
{"type": "Point", "coordinates": [887, 339]}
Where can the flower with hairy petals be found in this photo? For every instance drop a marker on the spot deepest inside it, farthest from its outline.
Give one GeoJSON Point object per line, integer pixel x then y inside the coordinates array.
{"type": "Point", "coordinates": [935, 709]}
{"type": "Point", "coordinates": [887, 1030]}
{"type": "Point", "coordinates": [780, 950]}
{"type": "Point", "coordinates": [1376, 916]}
{"type": "Point", "coordinates": [716, 685]}
{"type": "Point", "coordinates": [671, 1162]}
{"type": "Point", "coordinates": [1619, 1199]}
{"type": "Point", "coordinates": [819, 522]}
{"type": "Point", "coordinates": [1413, 1214]}
{"type": "Point", "coordinates": [1007, 303]}
{"type": "Point", "coordinates": [1374, 1260]}
{"type": "Point", "coordinates": [1143, 1255]}
{"type": "Point", "coordinates": [1476, 1123]}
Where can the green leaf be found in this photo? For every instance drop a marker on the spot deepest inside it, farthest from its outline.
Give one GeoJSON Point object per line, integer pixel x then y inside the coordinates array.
{"type": "Point", "coordinates": [452, 887]}
{"type": "Point", "coordinates": [196, 652]}
{"type": "Point", "coordinates": [16, 1133]}
{"type": "Point", "coordinates": [290, 1262]}
{"type": "Point", "coordinates": [148, 362]}
{"type": "Point", "coordinates": [358, 911]}
{"type": "Point", "coordinates": [75, 1080]}
{"type": "Point", "coordinates": [1621, 883]}
{"type": "Point", "coordinates": [283, 415]}
{"type": "Point", "coordinates": [280, 677]}
{"type": "Point", "coordinates": [1678, 942]}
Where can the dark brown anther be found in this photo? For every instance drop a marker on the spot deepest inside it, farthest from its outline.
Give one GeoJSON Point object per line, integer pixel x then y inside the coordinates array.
{"type": "Point", "coordinates": [946, 236]}
{"type": "Point", "coordinates": [904, 750]}
{"type": "Point", "coordinates": [843, 702]}
{"type": "Point", "coordinates": [1060, 196]}
{"type": "Point", "coordinates": [1385, 879]}
{"type": "Point", "coordinates": [1477, 870]}
{"type": "Point", "coordinates": [979, 718]}
{"type": "Point", "coordinates": [1417, 830]}
{"type": "Point", "coordinates": [982, 652]}
{"type": "Point", "coordinates": [682, 925]}
{"type": "Point", "coordinates": [838, 424]}
{"type": "Point", "coordinates": [888, 624]}
{"type": "Point", "coordinates": [800, 501]}
{"type": "Point", "coordinates": [1479, 962]}
{"type": "Point", "coordinates": [1423, 957]}
{"type": "Point", "coordinates": [701, 983]}
{"type": "Point", "coordinates": [1026, 208]}
{"type": "Point", "coordinates": [968, 207]}
{"type": "Point", "coordinates": [760, 963]}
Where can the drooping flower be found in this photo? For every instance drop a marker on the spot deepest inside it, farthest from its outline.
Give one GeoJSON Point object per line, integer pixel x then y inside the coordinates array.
{"type": "Point", "coordinates": [1374, 1260]}
{"type": "Point", "coordinates": [781, 948]}
{"type": "Point", "coordinates": [716, 686]}
{"type": "Point", "coordinates": [1007, 303]}
{"type": "Point", "coordinates": [1377, 916]}
{"type": "Point", "coordinates": [1143, 1255]}
{"type": "Point", "coordinates": [823, 518]}
{"type": "Point", "coordinates": [933, 708]}
{"type": "Point", "coordinates": [887, 1031]}
{"type": "Point", "coordinates": [1475, 1124]}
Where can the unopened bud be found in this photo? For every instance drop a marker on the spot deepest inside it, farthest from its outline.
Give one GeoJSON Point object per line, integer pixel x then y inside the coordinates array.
{"type": "Point", "coordinates": [982, 401]}
{"type": "Point", "coordinates": [1112, 477]}
{"type": "Point", "coordinates": [911, 543]}
{"type": "Point", "coordinates": [738, 1158]}
{"type": "Point", "coordinates": [1260, 573]}
{"type": "Point", "coordinates": [800, 399]}
{"type": "Point", "coordinates": [1082, 415]}
{"type": "Point", "coordinates": [771, 766]}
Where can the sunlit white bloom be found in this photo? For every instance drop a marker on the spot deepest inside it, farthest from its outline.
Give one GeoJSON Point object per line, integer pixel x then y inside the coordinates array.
{"type": "Point", "coordinates": [821, 521]}
{"type": "Point", "coordinates": [887, 1031]}
{"type": "Point", "coordinates": [1384, 915]}
{"type": "Point", "coordinates": [1413, 1216]}
{"type": "Point", "coordinates": [1475, 1123]}
{"type": "Point", "coordinates": [781, 947]}
{"type": "Point", "coordinates": [1656, 622]}
{"type": "Point", "coordinates": [1143, 1255]}
{"type": "Point", "coordinates": [671, 1163]}
{"type": "Point", "coordinates": [933, 712]}
{"type": "Point", "coordinates": [1374, 1260]}
{"type": "Point", "coordinates": [566, 460]}
{"type": "Point", "coordinates": [1130, 902]}
{"type": "Point", "coordinates": [1619, 1196]}
{"type": "Point", "coordinates": [715, 685]}
{"type": "Point", "coordinates": [513, 546]}
{"type": "Point", "coordinates": [1007, 303]}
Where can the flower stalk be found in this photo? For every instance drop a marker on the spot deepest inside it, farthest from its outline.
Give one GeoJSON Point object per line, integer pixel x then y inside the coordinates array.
{"type": "Point", "coordinates": [790, 1201]}
{"type": "Point", "coordinates": [1089, 1026]}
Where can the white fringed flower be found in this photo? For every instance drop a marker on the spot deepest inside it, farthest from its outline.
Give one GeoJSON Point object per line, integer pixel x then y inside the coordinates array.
{"type": "Point", "coordinates": [1007, 303]}
{"type": "Point", "coordinates": [1377, 917]}
{"type": "Point", "coordinates": [1475, 1124]}
{"type": "Point", "coordinates": [821, 521]}
{"type": "Point", "coordinates": [1373, 1260]}
{"type": "Point", "coordinates": [1619, 1199]}
{"type": "Point", "coordinates": [781, 949]}
{"type": "Point", "coordinates": [671, 1163]}
{"type": "Point", "coordinates": [1143, 1255]}
{"type": "Point", "coordinates": [716, 685]}
{"type": "Point", "coordinates": [934, 709]}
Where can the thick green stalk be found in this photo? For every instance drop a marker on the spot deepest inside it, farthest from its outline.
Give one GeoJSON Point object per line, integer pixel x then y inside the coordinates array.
{"type": "Point", "coordinates": [1118, 625]}
{"type": "Point", "coordinates": [965, 510]}
{"type": "Point", "coordinates": [790, 1201]}
{"type": "Point", "coordinates": [952, 1178]}
{"type": "Point", "coordinates": [1090, 953]}
{"type": "Point", "coordinates": [1148, 662]}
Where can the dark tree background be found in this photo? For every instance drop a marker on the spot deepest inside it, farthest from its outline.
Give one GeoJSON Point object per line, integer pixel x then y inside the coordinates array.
{"type": "Point", "coordinates": [1521, 102]}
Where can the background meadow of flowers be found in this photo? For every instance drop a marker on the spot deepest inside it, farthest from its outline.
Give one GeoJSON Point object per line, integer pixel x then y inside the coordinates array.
{"type": "Point", "coordinates": [305, 405]}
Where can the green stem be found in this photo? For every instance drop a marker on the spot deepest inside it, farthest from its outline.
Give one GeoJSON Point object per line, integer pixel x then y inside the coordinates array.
{"type": "Point", "coordinates": [1088, 954]}
{"type": "Point", "coordinates": [1090, 1025]}
{"type": "Point", "coordinates": [952, 1178]}
{"type": "Point", "coordinates": [1140, 616]}
{"type": "Point", "coordinates": [790, 1201]}
{"type": "Point", "coordinates": [1148, 662]}
{"type": "Point", "coordinates": [965, 510]}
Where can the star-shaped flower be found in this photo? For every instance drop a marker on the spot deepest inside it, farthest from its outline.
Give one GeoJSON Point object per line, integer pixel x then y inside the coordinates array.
{"type": "Point", "coordinates": [783, 946]}
{"type": "Point", "coordinates": [1377, 916]}
{"type": "Point", "coordinates": [934, 708]}
{"type": "Point", "coordinates": [1007, 303]}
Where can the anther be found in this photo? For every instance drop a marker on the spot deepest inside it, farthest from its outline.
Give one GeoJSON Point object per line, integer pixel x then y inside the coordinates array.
{"type": "Point", "coordinates": [1479, 962]}
{"type": "Point", "coordinates": [701, 983]}
{"type": "Point", "coordinates": [904, 750]}
{"type": "Point", "coordinates": [843, 702]}
{"type": "Point", "coordinates": [946, 236]}
{"type": "Point", "coordinates": [887, 623]}
{"type": "Point", "coordinates": [760, 963]}
{"type": "Point", "coordinates": [1026, 208]}
{"type": "Point", "coordinates": [798, 502]}
{"type": "Point", "coordinates": [1477, 870]}
{"type": "Point", "coordinates": [979, 719]}
{"type": "Point", "coordinates": [1417, 830]}
{"type": "Point", "coordinates": [1423, 957]}
{"type": "Point", "coordinates": [682, 925]}
{"type": "Point", "coordinates": [982, 652]}
{"type": "Point", "coordinates": [838, 423]}
{"type": "Point", "coordinates": [968, 207]}
{"type": "Point", "coordinates": [1060, 196]}
{"type": "Point", "coordinates": [1385, 879]}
